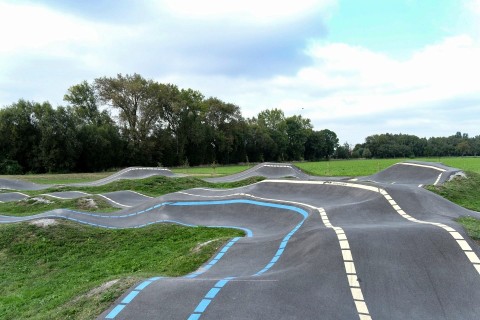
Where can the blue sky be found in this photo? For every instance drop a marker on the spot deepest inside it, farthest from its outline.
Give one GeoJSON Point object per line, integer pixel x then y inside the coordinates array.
{"type": "Point", "coordinates": [355, 67]}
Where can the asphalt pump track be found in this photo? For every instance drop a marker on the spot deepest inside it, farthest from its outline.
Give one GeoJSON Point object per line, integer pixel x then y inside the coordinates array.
{"type": "Point", "coordinates": [314, 249]}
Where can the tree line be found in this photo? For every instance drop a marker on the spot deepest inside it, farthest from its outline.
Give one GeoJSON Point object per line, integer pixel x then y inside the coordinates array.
{"type": "Point", "coordinates": [403, 146]}
{"type": "Point", "coordinates": [128, 120]}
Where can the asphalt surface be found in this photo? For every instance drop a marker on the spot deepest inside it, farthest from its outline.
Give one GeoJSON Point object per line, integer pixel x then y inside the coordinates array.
{"type": "Point", "coordinates": [313, 250]}
{"type": "Point", "coordinates": [128, 173]}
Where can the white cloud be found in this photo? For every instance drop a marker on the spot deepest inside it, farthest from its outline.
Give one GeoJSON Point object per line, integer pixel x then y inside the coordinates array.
{"type": "Point", "coordinates": [26, 27]}
{"type": "Point", "coordinates": [247, 10]}
{"type": "Point", "coordinates": [354, 90]}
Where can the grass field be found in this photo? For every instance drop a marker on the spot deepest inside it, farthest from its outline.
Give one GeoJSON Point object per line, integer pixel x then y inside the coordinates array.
{"type": "Point", "coordinates": [56, 272]}
{"type": "Point", "coordinates": [50, 272]}
{"type": "Point", "coordinates": [209, 171]}
{"type": "Point", "coordinates": [153, 186]}
{"type": "Point", "coordinates": [464, 192]}
{"type": "Point", "coordinates": [472, 226]}
{"type": "Point", "coordinates": [334, 168]}
{"type": "Point", "coordinates": [64, 178]}
{"type": "Point", "coordinates": [32, 206]}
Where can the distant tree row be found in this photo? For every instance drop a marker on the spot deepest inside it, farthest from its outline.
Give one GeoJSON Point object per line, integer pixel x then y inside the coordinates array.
{"type": "Point", "coordinates": [153, 124]}
{"type": "Point", "coordinates": [404, 145]}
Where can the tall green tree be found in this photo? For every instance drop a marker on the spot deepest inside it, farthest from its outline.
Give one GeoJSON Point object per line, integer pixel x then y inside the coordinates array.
{"type": "Point", "coordinates": [136, 99]}
{"type": "Point", "coordinates": [298, 130]}
{"type": "Point", "coordinates": [274, 123]}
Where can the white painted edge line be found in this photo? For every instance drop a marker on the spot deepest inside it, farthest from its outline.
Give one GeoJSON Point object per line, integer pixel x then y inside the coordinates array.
{"type": "Point", "coordinates": [421, 165]}
{"type": "Point", "coordinates": [140, 194]}
{"type": "Point", "coordinates": [438, 179]}
{"type": "Point", "coordinates": [115, 175]}
{"type": "Point", "coordinates": [22, 194]}
{"type": "Point", "coordinates": [228, 189]}
{"type": "Point", "coordinates": [65, 198]}
{"type": "Point", "coordinates": [350, 270]}
{"type": "Point", "coordinates": [459, 239]}
{"type": "Point", "coordinates": [105, 197]}
{"type": "Point", "coordinates": [256, 168]}
{"type": "Point", "coordinates": [56, 197]}
{"type": "Point", "coordinates": [349, 264]}
{"type": "Point", "coordinates": [334, 183]}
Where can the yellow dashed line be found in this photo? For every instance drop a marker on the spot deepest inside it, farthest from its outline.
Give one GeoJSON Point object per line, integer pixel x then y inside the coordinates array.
{"type": "Point", "coordinates": [472, 256]}
{"type": "Point", "coordinates": [352, 278]}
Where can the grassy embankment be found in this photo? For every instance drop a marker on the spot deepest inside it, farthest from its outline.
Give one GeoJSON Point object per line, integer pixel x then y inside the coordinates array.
{"type": "Point", "coordinates": [349, 168]}
{"type": "Point", "coordinates": [466, 193]}
{"type": "Point", "coordinates": [57, 271]}
{"type": "Point", "coordinates": [153, 186]}
{"type": "Point", "coordinates": [51, 272]}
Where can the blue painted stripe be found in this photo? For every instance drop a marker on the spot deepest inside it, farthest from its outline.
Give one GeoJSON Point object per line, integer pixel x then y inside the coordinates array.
{"type": "Point", "coordinates": [143, 285]}
{"type": "Point", "coordinates": [202, 305]}
{"type": "Point", "coordinates": [214, 260]}
{"type": "Point", "coordinates": [280, 250]}
{"type": "Point", "coordinates": [130, 297]}
{"type": "Point", "coordinates": [212, 293]}
{"type": "Point", "coordinates": [258, 203]}
{"type": "Point", "coordinates": [221, 283]}
{"type": "Point", "coordinates": [115, 311]}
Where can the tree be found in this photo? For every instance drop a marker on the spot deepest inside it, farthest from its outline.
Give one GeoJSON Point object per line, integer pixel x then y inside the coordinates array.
{"type": "Point", "coordinates": [366, 153]}
{"type": "Point", "coordinates": [137, 99]}
{"type": "Point", "coordinates": [273, 121]}
{"type": "Point", "coordinates": [321, 144]}
{"type": "Point", "coordinates": [298, 129]}
{"type": "Point", "coordinates": [343, 152]}
{"type": "Point", "coordinates": [83, 99]}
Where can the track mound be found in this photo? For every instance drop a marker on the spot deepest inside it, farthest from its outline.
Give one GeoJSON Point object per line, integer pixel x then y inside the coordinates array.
{"type": "Point", "coordinates": [128, 173]}
{"type": "Point", "coordinates": [268, 170]}
{"type": "Point", "coordinates": [414, 173]}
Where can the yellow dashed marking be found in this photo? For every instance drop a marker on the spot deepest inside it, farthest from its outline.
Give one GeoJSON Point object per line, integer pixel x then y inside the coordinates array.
{"type": "Point", "coordinates": [472, 256]}
{"type": "Point", "coordinates": [344, 244]}
{"type": "Point", "coordinates": [456, 235]}
{"type": "Point", "coordinates": [357, 293]}
{"type": "Point", "coordinates": [347, 256]}
{"type": "Point", "coordinates": [361, 307]}
{"type": "Point", "coordinates": [464, 245]}
{"type": "Point", "coordinates": [350, 267]}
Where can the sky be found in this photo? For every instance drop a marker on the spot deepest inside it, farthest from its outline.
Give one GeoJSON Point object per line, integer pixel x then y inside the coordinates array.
{"type": "Point", "coordinates": [355, 67]}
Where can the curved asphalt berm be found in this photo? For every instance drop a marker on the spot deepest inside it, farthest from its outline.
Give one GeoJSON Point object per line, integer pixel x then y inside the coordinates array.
{"type": "Point", "coordinates": [414, 173]}
{"type": "Point", "coordinates": [313, 250]}
{"type": "Point", "coordinates": [128, 173]}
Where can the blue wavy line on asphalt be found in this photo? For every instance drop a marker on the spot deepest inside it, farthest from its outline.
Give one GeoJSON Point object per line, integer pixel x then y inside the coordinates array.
{"type": "Point", "coordinates": [212, 293]}
{"type": "Point", "coordinates": [129, 298]}
{"type": "Point", "coordinates": [204, 303]}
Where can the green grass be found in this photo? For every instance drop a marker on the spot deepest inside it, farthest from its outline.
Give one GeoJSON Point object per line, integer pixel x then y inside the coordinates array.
{"type": "Point", "coordinates": [153, 186]}
{"type": "Point", "coordinates": [464, 163]}
{"type": "Point", "coordinates": [49, 272]}
{"type": "Point", "coordinates": [63, 178]}
{"type": "Point", "coordinates": [366, 167]}
{"type": "Point", "coordinates": [464, 192]}
{"type": "Point", "coordinates": [210, 171]}
{"type": "Point", "coordinates": [31, 206]}
{"type": "Point", "coordinates": [472, 226]}
{"type": "Point", "coordinates": [348, 168]}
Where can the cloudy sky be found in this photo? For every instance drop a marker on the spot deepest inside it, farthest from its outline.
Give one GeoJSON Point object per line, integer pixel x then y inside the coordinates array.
{"type": "Point", "coordinates": [354, 67]}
